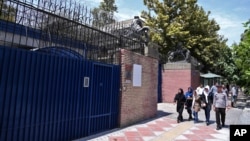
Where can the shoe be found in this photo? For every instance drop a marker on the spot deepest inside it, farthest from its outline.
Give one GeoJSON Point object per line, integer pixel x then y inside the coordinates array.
{"type": "Point", "coordinates": [218, 128]}
{"type": "Point", "coordinates": [207, 123]}
{"type": "Point", "coordinates": [223, 125]}
{"type": "Point", "coordinates": [178, 121]}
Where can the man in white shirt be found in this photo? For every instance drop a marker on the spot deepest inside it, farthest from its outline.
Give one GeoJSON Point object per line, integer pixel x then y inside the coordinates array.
{"type": "Point", "coordinates": [200, 89]}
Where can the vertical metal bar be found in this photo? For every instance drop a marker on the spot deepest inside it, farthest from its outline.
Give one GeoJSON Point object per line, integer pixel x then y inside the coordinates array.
{"type": "Point", "coordinates": [75, 108]}
{"type": "Point", "coordinates": [45, 97]}
{"type": "Point", "coordinates": [55, 95]}
{"type": "Point", "coordinates": [67, 99]}
{"type": "Point", "coordinates": [5, 90]}
{"type": "Point", "coordinates": [26, 67]}
{"type": "Point", "coordinates": [112, 73]}
{"type": "Point", "coordinates": [53, 98]}
{"type": "Point", "coordinates": [19, 95]}
{"type": "Point", "coordinates": [2, 96]}
{"type": "Point", "coordinates": [47, 100]}
{"type": "Point", "coordinates": [35, 97]}
{"type": "Point", "coordinates": [13, 86]}
{"type": "Point", "coordinates": [42, 95]}
{"type": "Point", "coordinates": [79, 99]}
{"type": "Point", "coordinates": [90, 69]}
{"type": "Point", "coordinates": [28, 97]}
{"type": "Point", "coordinates": [62, 98]}
{"type": "Point", "coordinates": [59, 98]}
{"type": "Point", "coordinates": [71, 95]}
{"type": "Point", "coordinates": [47, 106]}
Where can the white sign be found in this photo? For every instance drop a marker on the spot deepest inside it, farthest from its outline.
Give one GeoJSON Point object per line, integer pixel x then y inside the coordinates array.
{"type": "Point", "coordinates": [86, 82]}
{"type": "Point", "coordinates": [137, 75]}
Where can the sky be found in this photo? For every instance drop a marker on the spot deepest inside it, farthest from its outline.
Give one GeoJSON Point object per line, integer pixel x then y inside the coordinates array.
{"type": "Point", "coordinates": [229, 14]}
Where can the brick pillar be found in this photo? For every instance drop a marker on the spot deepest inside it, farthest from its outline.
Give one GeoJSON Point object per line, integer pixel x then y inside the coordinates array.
{"type": "Point", "coordinates": [138, 103]}
{"type": "Point", "coordinates": [178, 75]}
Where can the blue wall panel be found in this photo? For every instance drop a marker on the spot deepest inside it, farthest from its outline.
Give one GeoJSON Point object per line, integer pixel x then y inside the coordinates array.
{"type": "Point", "coordinates": [42, 97]}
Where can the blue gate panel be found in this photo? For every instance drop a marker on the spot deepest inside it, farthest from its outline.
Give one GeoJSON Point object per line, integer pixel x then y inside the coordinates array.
{"type": "Point", "coordinates": [42, 97]}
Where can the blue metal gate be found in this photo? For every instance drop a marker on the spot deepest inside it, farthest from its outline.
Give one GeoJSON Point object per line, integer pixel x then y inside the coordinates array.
{"type": "Point", "coordinates": [46, 97]}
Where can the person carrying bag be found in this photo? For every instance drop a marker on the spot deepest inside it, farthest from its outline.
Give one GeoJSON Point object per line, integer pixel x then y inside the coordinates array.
{"type": "Point", "coordinates": [196, 106]}
{"type": "Point", "coordinates": [206, 103]}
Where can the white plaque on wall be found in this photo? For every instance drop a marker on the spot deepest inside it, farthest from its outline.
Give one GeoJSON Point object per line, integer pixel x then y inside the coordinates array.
{"type": "Point", "coordinates": [137, 74]}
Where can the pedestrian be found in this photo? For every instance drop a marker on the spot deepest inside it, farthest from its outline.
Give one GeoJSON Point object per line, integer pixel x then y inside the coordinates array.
{"type": "Point", "coordinates": [233, 95]}
{"type": "Point", "coordinates": [224, 89]}
{"type": "Point", "coordinates": [199, 89]}
{"type": "Point", "coordinates": [228, 88]}
{"type": "Point", "coordinates": [196, 106]}
{"type": "Point", "coordinates": [206, 103]}
{"type": "Point", "coordinates": [188, 103]}
{"type": "Point", "coordinates": [214, 88]}
{"type": "Point", "coordinates": [237, 90]}
{"type": "Point", "coordinates": [180, 100]}
{"type": "Point", "coordinates": [219, 106]}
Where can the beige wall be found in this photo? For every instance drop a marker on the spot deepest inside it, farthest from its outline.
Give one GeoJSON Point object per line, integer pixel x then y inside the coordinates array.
{"type": "Point", "coordinates": [138, 103]}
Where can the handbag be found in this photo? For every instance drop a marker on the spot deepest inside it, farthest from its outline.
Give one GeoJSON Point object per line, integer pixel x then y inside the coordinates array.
{"type": "Point", "coordinates": [203, 104]}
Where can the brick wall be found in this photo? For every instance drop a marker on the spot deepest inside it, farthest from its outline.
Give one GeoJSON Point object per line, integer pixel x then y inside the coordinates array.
{"type": "Point", "coordinates": [138, 103]}
{"type": "Point", "coordinates": [175, 76]}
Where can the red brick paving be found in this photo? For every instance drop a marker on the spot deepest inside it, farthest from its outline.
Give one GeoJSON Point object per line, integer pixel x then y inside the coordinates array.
{"type": "Point", "coordinates": [146, 133]}
{"type": "Point", "coordinates": [114, 138]}
{"type": "Point", "coordinates": [134, 139]}
{"type": "Point", "coordinates": [131, 134]}
{"type": "Point", "coordinates": [143, 129]}
{"type": "Point", "coordinates": [198, 133]}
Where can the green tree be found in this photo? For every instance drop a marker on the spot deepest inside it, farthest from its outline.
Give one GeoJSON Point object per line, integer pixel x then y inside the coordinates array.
{"type": "Point", "coordinates": [104, 14]}
{"type": "Point", "coordinates": [7, 12]}
{"type": "Point", "coordinates": [241, 57]}
{"type": "Point", "coordinates": [184, 21]}
{"type": "Point", "coordinates": [225, 65]}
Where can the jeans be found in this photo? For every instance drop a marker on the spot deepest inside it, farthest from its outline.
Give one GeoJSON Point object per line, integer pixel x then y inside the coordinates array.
{"type": "Point", "coordinates": [207, 110]}
{"type": "Point", "coordinates": [195, 116]}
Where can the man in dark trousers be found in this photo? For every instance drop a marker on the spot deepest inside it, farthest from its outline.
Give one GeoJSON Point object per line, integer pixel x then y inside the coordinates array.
{"type": "Point", "coordinates": [219, 106]}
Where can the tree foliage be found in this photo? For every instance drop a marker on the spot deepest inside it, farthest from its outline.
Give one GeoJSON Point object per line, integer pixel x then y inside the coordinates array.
{"type": "Point", "coordinates": [242, 57]}
{"type": "Point", "coordinates": [7, 12]}
{"type": "Point", "coordinates": [104, 14]}
{"type": "Point", "coordinates": [184, 21]}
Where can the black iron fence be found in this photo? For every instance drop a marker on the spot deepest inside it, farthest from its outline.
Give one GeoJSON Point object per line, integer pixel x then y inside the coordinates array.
{"type": "Point", "coordinates": [39, 25]}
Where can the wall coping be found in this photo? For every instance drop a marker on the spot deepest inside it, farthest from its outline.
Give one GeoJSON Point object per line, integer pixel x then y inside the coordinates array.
{"type": "Point", "coordinates": [178, 66]}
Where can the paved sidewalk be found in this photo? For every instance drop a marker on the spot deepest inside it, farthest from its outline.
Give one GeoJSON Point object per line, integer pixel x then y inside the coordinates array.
{"type": "Point", "coordinates": [165, 128]}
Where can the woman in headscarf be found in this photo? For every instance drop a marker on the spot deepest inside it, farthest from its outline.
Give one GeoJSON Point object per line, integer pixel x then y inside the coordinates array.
{"type": "Point", "coordinates": [196, 106]}
{"type": "Point", "coordinates": [206, 103]}
{"type": "Point", "coordinates": [180, 100]}
{"type": "Point", "coordinates": [189, 100]}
